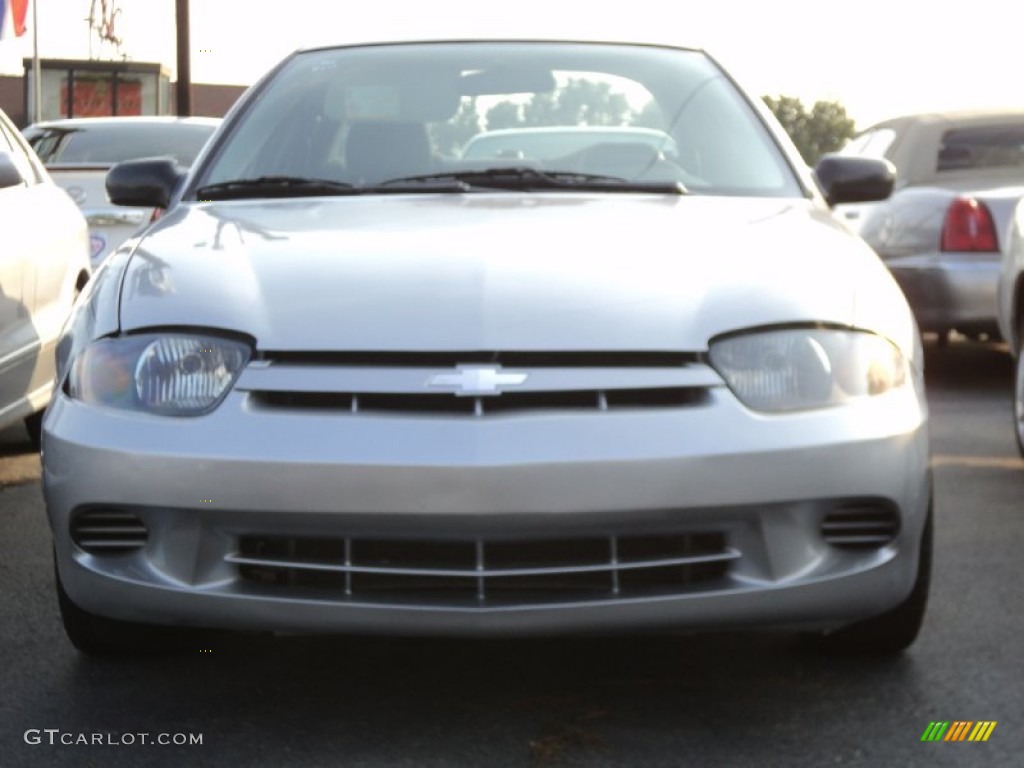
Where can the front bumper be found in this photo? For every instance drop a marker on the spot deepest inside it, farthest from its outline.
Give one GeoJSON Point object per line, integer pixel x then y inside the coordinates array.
{"type": "Point", "coordinates": [950, 291]}
{"type": "Point", "coordinates": [757, 486]}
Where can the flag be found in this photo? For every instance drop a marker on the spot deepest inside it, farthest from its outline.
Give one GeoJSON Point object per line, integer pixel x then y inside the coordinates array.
{"type": "Point", "coordinates": [17, 10]}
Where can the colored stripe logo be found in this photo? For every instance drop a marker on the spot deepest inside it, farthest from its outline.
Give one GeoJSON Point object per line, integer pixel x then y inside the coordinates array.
{"type": "Point", "coordinates": [959, 730]}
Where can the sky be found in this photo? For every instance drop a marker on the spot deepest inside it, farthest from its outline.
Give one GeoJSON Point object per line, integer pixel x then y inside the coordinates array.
{"type": "Point", "coordinates": [878, 58]}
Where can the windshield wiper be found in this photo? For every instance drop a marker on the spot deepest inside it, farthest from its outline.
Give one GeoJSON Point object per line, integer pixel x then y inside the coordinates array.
{"type": "Point", "coordinates": [298, 186]}
{"type": "Point", "coordinates": [274, 186]}
{"type": "Point", "coordinates": [514, 178]}
{"type": "Point", "coordinates": [529, 179]}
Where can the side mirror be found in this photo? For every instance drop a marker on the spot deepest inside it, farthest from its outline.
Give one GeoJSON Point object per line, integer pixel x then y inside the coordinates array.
{"type": "Point", "coordinates": [10, 174]}
{"type": "Point", "coordinates": [148, 183]}
{"type": "Point", "coordinates": [848, 179]}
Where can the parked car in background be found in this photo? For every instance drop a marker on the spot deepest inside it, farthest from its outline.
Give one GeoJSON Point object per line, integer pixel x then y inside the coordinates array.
{"type": "Point", "coordinates": [44, 263]}
{"type": "Point", "coordinates": [943, 230]}
{"type": "Point", "coordinates": [570, 142]}
{"type": "Point", "coordinates": [79, 152]}
{"type": "Point", "coordinates": [349, 383]}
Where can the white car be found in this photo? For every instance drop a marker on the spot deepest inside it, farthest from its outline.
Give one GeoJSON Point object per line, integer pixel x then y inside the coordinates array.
{"type": "Point", "coordinates": [574, 143]}
{"type": "Point", "coordinates": [44, 263]}
{"type": "Point", "coordinates": [78, 152]}
{"type": "Point", "coordinates": [354, 382]}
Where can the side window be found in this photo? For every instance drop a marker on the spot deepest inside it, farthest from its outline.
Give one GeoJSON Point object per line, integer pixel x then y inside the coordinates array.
{"type": "Point", "coordinates": [48, 144]}
{"type": "Point", "coordinates": [873, 143]}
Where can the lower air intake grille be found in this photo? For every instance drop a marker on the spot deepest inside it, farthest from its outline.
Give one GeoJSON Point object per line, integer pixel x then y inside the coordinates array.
{"type": "Point", "coordinates": [483, 572]}
{"type": "Point", "coordinates": [861, 526]}
{"type": "Point", "coordinates": [108, 531]}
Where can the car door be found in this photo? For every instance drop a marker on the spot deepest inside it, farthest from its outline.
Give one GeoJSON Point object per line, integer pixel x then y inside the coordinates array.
{"type": "Point", "coordinates": [43, 257]}
{"type": "Point", "coordinates": [17, 336]}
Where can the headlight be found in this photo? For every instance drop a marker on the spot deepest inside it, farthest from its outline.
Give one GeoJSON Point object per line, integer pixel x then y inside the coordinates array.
{"type": "Point", "coordinates": [796, 369]}
{"type": "Point", "coordinates": [169, 374]}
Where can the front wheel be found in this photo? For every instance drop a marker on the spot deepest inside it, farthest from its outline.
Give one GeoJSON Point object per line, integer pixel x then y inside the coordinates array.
{"type": "Point", "coordinates": [895, 630]}
{"type": "Point", "coordinates": [34, 426]}
{"type": "Point", "coordinates": [1018, 395]}
{"type": "Point", "coordinates": [99, 636]}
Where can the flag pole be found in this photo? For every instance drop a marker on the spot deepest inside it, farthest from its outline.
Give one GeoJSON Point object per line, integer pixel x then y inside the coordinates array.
{"type": "Point", "coordinates": [37, 107]}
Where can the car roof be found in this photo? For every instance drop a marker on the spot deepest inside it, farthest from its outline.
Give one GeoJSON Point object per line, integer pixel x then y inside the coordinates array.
{"type": "Point", "coordinates": [954, 117]}
{"type": "Point", "coordinates": [919, 137]}
{"type": "Point", "coordinates": [649, 43]}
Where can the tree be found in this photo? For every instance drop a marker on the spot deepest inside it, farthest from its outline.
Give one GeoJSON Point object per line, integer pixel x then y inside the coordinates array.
{"type": "Point", "coordinates": [449, 137]}
{"type": "Point", "coordinates": [578, 102]}
{"type": "Point", "coordinates": [825, 128]}
{"type": "Point", "coordinates": [504, 114]}
{"type": "Point", "coordinates": [649, 116]}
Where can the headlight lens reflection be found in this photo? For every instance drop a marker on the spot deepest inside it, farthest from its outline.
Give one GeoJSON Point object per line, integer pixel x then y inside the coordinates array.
{"type": "Point", "coordinates": [803, 368]}
{"type": "Point", "coordinates": [167, 374]}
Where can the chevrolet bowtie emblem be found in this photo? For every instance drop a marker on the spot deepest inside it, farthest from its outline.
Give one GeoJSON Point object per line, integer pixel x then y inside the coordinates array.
{"type": "Point", "coordinates": [477, 380]}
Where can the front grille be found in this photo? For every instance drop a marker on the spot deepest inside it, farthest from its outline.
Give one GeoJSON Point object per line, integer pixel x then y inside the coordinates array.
{"type": "Point", "coordinates": [508, 402]}
{"type": "Point", "coordinates": [108, 531]}
{"type": "Point", "coordinates": [485, 572]}
{"type": "Point", "coordinates": [476, 384]}
{"type": "Point", "coordinates": [861, 526]}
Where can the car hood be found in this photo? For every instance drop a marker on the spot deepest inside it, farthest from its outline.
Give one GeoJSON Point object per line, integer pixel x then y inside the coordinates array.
{"type": "Point", "coordinates": [504, 271]}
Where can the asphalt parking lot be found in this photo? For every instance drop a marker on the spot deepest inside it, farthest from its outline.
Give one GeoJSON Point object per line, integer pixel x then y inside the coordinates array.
{"type": "Point", "coordinates": [17, 464]}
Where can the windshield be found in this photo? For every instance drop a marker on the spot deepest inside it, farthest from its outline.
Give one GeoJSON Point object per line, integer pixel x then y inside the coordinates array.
{"type": "Point", "coordinates": [368, 115]}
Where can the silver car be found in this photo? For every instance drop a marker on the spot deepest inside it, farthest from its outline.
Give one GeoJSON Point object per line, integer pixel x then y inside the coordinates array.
{"type": "Point", "coordinates": [352, 382]}
{"type": "Point", "coordinates": [44, 263]}
{"type": "Point", "coordinates": [942, 232]}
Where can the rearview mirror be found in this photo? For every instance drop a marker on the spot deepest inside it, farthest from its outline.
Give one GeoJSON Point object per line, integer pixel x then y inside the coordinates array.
{"type": "Point", "coordinates": [848, 179]}
{"type": "Point", "coordinates": [148, 183]}
{"type": "Point", "coordinates": [10, 174]}
{"type": "Point", "coordinates": [499, 80]}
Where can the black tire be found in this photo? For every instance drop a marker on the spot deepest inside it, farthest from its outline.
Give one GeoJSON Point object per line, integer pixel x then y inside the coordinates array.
{"type": "Point", "coordinates": [895, 630]}
{"type": "Point", "coordinates": [34, 426]}
{"type": "Point", "coordinates": [99, 636]}
{"type": "Point", "coordinates": [1018, 393]}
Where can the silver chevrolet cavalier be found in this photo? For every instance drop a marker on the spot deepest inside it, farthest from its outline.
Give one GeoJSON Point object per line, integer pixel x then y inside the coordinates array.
{"type": "Point", "coordinates": [354, 381]}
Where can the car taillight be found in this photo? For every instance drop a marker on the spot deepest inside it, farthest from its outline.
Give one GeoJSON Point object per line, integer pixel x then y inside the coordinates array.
{"type": "Point", "coordinates": [969, 227]}
{"type": "Point", "coordinates": [157, 213]}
